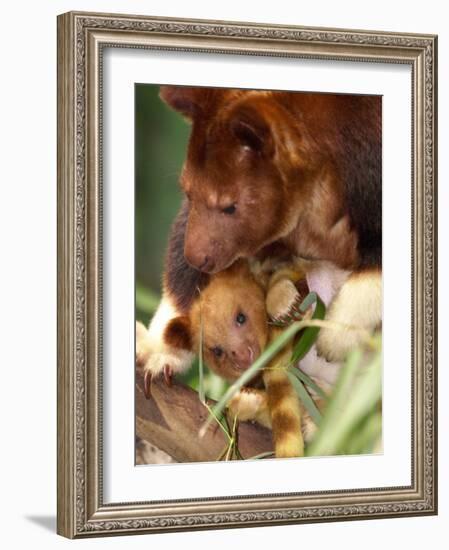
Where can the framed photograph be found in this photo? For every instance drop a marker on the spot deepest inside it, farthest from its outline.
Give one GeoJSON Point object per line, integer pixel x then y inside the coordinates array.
{"type": "Point", "coordinates": [247, 274]}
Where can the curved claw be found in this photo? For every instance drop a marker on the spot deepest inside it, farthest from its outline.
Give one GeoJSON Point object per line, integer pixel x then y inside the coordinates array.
{"type": "Point", "coordinates": [147, 384]}
{"type": "Point", "coordinates": [168, 374]}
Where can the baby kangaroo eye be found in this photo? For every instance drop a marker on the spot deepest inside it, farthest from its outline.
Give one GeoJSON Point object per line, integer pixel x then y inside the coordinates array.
{"type": "Point", "coordinates": [217, 351]}
{"type": "Point", "coordinates": [229, 209]}
{"type": "Point", "coordinates": [240, 319]}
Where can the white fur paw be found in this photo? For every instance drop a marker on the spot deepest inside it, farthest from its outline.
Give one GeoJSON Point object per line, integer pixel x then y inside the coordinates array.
{"type": "Point", "coordinates": [164, 364]}
{"type": "Point", "coordinates": [142, 345]}
{"type": "Point", "coordinates": [160, 361]}
{"type": "Point", "coordinates": [355, 312]}
{"type": "Point", "coordinates": [158, 357]}
{"type": "Point", "coordinates": [281, 297]}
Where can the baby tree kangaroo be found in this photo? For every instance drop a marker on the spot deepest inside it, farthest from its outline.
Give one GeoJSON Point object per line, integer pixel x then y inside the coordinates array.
{"type": "Point", "coordinates": [231, 314]}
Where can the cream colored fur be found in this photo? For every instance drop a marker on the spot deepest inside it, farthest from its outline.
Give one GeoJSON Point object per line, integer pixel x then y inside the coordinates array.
{"type": "Point", "coordinates": [250, 404]}
{"type": "Point", "coordinates": [357, 306]}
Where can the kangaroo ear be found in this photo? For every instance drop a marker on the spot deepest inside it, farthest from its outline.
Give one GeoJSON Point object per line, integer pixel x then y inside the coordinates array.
{"type": "Point", "coordinates": [180, 98]}
{"type": "Point", "coordinates": [251, 127]}
{"type": "Point", "coordinates": [187, 100]}
{"type": "Point", "coordinates": [178, 333]}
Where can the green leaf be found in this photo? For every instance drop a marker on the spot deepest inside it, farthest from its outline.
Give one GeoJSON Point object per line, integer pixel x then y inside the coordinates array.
{"type": "Point", "coordinates": [201, 391]}
{"type": "Point", "coordinates": [310, 334]}
{"type": "Point", "coordinates": [261, 455]}
{"type": "Point", "coordinates": [308, 382]}
{"type": "Point", "coordinates": [357, 392]}
{"type": "Point", "coordinates": [363, 439]}
{"type": "Point", "coordinates": [304, 396]}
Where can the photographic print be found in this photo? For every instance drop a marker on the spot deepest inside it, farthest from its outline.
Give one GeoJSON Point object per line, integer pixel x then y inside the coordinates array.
{"type": "Point", "coordinates": [258, 262]}
{"type": "Point", "coordinates": [246, 274]}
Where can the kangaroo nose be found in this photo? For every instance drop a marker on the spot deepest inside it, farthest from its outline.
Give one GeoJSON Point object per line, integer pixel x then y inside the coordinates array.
{"type": "Point", "coordinates": [204, 264]}
{"type": "Point", "coordinates": [207, 266]}
{"type": "Point", "coordinates": [243, 356]}
{"type": "Point", "coordinates": [200, 261]}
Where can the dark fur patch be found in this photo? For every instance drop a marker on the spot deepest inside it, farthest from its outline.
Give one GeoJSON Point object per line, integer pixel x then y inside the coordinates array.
{"type": "Point", "coordinates": [303, 288]}
{"type": "Point", "coordinates": [283, 422]}
{"type": "Point", "coordinates": [181, 280]}
{"type": "Point", "coordinates": [360, 167]}
{"type": "Point", "coordinates": [277, 393]}
{"type": "Point", "coordinates": [177, 333]}
{"type": "Point", "coordinates": [256, 382]}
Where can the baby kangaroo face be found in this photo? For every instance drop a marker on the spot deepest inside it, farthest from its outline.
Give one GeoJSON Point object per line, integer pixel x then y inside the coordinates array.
{"type": "Point", "coordinates": [233, 320]}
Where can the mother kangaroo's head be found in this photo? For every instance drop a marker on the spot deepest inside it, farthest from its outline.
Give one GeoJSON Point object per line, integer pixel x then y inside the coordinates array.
{"type": "Point", "coordinates": [249, 172]}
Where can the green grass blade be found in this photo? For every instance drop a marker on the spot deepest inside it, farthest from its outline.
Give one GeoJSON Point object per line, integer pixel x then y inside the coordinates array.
{"type": "Point", "coordinates": [261, 455]}
{"type": "Point", "coordinates": [368, 434]}
{"type": "Point", "coordinates": [304, 396]}
{"type": "Point", "coordinates": [310, 333]}
{"type": "Point", "coordinates": [218, 421]}
{"type": "Point", "coordinates": [336, 404]}
{"type": "Point", "coordinates": [308, 382]}
{"type": "Point", "coordinates": [201, 391]}
{"type": "Point", "coordinates": [352, 400]}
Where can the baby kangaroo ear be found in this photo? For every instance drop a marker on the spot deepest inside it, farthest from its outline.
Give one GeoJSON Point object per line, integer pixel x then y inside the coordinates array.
{"type": "Point", "coordinates": [178, 333]}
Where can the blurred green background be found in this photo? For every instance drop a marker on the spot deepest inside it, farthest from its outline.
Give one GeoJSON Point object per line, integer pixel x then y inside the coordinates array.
{"type": "Point", "coordinates": [161, 137]}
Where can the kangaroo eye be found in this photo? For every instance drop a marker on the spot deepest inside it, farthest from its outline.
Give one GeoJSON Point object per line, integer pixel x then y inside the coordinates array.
{"type": "Point", "coordinates": [241, 318]}
{"type": "Point", "coordinates": [229, 209]}
{"type": "Point", "coordinates": [217, 351]}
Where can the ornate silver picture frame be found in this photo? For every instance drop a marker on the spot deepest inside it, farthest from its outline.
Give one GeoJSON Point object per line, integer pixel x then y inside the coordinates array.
{"type": "Point", "coordinates": [82, 41]}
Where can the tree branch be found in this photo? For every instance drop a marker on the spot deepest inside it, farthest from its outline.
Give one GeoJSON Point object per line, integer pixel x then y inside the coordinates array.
{"type": "Point", "coordinates": [173, 416]}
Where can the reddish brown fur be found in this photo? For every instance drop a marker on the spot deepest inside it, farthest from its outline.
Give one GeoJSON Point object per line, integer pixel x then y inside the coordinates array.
{"type": "Point", "coordinates": [301, 168]}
